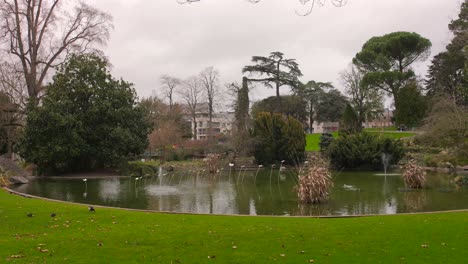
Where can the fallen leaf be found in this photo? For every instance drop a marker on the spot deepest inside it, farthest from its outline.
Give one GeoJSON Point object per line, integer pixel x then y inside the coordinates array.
{"type": "Point", "coordinates": [424, 246]}
{"type": "Point", "coordinates": [283, 255]}
{"type": "Point", "coordinates": [44, 250]}
{"type": "Point", "coordinates": [16, 256]}
{"type": "Point", "coordinates": [234, 247]}
{"type": "Point", "coordinates": [311, 261]}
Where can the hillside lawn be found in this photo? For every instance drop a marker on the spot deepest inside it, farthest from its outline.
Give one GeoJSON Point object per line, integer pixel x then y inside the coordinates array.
{"type": "Point", "coordinates": [120, 236]}
{"type": "Point", "coordinates": [313, 140]}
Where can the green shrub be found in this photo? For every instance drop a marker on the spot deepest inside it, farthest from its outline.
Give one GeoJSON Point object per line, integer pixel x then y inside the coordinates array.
{"type": "Point", "coordinates": [364, 150]}
{"type": "Point", "coordinates": [137, 169]}
{"type": "Point", "coordinates": [325, 140]}
{"type": "Point", "coordinates": [278, 138]}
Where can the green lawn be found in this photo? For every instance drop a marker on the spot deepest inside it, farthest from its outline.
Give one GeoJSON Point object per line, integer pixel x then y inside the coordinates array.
{"type": "Point", "coordinates": [390, 128]}
{"type": "Point", "coordinates": [313, 140]}
{"type": "Point", "coordinates": [118, 236]}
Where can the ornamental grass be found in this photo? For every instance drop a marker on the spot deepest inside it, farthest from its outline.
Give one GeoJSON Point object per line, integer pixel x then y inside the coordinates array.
{"type": "Point", "coordinates": [414, 175]}
{"type": "Point", "coordinates": [315, 182]}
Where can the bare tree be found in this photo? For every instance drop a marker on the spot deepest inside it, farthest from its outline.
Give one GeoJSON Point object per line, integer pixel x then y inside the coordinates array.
{"type": "Point", "coordinates": [13, 86]}
{"type": "Point", "coordinates": [13, 101]}
{"type": "Point", "coordinates": [39, 34]}
{"type": "Point", "coordinates": [169, 86]}
{"type": "Point", "coordinates": [209, 79]}
{"type": "Point", "coordinates": [192, 94]}
{"type": "Point", "coordinates": [309, 4]}
{"type": "Point", "coordinates": [366, 100]}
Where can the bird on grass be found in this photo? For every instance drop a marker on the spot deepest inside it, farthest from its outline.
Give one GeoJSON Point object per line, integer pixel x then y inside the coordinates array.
{"type": "Point", "coordinates": [52, 215]}
{"type": "Point", "coordinates": [30, 215]}
{"type": "Point", "coordinates": [91, 209]}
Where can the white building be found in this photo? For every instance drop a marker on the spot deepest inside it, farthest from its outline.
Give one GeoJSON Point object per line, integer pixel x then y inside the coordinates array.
{"type": "Point", "coordinates": [221, 124]}
{"type": "Point", "coordinates": [325, 127]}
{"type": "Point", "coordinates": [383, 120]}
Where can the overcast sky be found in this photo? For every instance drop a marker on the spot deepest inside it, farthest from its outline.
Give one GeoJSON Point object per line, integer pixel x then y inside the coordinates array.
{"type": "Point", "coordinates": [158, 37]}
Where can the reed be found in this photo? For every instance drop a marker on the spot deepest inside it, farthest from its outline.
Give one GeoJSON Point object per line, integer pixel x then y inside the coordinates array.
{"type": "Point", "coordinates": [315, 182]}
{"type": "Point", "coordinates": [414, 175]}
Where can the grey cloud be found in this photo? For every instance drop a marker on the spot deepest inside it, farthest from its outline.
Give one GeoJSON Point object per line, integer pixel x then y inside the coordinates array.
{"type": "Point", "coordinates": [162, 37]}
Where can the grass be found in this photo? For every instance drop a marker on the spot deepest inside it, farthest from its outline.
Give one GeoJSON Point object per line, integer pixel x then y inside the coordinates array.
{"type": "Point", "coordinates": [313, 140]}
{"type": "Point", "coordinates": [118, 236]}
{"type": "Point", "coordinates": [390, 128]}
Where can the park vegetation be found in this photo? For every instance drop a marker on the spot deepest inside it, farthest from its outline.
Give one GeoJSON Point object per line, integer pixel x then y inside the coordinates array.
{"type": "Point", "coordinates": [364, 150]}
{"type": "Point", "coordinates": [315, 182]}
{"type": "Point", "coordinates": [278, 139]}
{"type": "Point", "coordinates": [87, 120]}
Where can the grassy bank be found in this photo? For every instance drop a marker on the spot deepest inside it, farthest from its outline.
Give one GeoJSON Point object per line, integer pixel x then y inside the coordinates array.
{"type": "Point", "coordinates": [313, 140]}
{"type": "Point", "coordinates": [117, 236]}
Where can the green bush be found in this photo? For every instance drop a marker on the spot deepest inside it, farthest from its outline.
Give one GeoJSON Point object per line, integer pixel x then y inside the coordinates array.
{"type": "Point", "coordinates": [325, 140]}
{"type": "Point", "coordinates": [87, 120]}
{"type": "Point", "coordinates": [278, 138]}
{"type": "Point", "coordinates": [137, 169]}
{"type": "Point", "coordinates": [364, 150]}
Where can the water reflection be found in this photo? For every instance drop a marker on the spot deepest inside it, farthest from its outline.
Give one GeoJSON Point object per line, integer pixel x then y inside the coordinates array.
{"type": "Point", "coordinates": [259, 192]}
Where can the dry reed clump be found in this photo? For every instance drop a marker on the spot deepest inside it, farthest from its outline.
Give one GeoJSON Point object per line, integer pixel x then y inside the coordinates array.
{"type": "Point", "coordinates": [212, 161]}
{"type": "Point", "coordinates": [3, 178]}
{"type": "Point", "coordinates": [315, 182]}
{"type": "Point", "coordinates": [414, 176]}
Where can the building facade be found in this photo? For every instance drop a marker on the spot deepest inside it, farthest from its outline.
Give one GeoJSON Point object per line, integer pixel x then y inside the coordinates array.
{"type": "Point", "coordinates": [222, 123]}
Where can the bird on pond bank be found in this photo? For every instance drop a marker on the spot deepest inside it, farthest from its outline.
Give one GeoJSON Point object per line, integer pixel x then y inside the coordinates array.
{"type": "Point", "coordinates": [30, 215]}
{"type": "Point", "coordinates": [91, 209]}
{"type": "Point", "coordinates": [52, 215]}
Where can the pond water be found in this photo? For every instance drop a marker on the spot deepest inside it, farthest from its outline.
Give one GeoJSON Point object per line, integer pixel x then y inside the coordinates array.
{"type": "Point", "coordinates": [267, 192]}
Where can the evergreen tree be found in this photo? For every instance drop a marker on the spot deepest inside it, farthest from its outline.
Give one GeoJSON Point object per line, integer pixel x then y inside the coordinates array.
{"type": "Point", "coordinates": [350, 122]}
{"type": "Point", "coordinates": [278, 138]}
{"type": "Point", "coordinates": [387, 60]}
{"type": "Point", "coordinates": [412, 106]}
{"type": "Point", "coordinates": [87, 120]}
{"type": "Point", "coordinates": [448, 76]}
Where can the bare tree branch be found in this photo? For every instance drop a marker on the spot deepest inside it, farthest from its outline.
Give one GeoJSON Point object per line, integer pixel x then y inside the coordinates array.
{"type": "Point", "coordinates": [308, 4]}
{"type": "Point", "coordinates": [40, 34]}
{"type": "Point", "coordinates": [192, 93]}
{"type": "Point", "coordinates": [169, 86]}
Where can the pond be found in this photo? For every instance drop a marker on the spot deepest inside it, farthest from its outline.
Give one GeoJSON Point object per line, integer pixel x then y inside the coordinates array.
{"type": "Point", "coordinates": [267, 192]}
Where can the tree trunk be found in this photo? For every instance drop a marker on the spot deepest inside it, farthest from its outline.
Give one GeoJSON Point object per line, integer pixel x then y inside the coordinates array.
{"type": "Point", "coordinates": [194, 119]}
{"type": "Point", "coordinates": [311, 118]}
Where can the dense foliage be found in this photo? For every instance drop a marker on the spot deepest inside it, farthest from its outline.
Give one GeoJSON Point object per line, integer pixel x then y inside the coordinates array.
{"type": "Point", "coordinates": [448, 74]}
{"type": "Point", "coordinates": [87, 120]}
{"type": "Point", "coordinates": [274, 70]}
{"type": "Point", "coordinates": [412, 105]}
{"type": "Point", "coordinates": [278, 138]}
{"type": "Point", "coordinates": [331, 106]}
{"type": "Point", "coordinates": [350, 122]}
{"type": "Point", "coordinates": [325, 140]}
{"type": "Point", "coordinates": [291, 105]}
{"type": "Point", "coordinates": [364, 150]}
{"type": "Point", "coordinates": [386, 60]}
{"type": "Point", "coordinates": [312, 93]}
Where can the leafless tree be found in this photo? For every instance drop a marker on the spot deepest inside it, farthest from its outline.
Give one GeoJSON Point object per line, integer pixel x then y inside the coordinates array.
{"type": "Point", "coordinates": [13, 86]}
{"type": "Point", "coordinates": [309, 4]}
{"type": "Point", "coordinates": [13, 101]}
{"type": "Point", "coordinates": [39, 34]}
{"type": "Point", "coordinates": [192, 93]}
{"type": "Point", "coordinates": [209, 79]}
{"type": "Point", "coordinates": [169, 86]}
{"type": "Point", "coordinates": [366, 100]}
